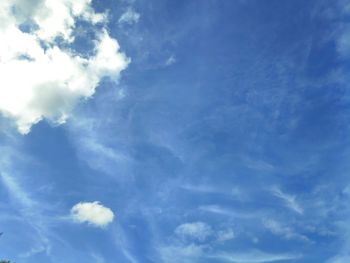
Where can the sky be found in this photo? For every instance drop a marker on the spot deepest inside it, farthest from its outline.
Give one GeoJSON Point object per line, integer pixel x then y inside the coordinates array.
{"type": "Point", "coordinates": [162, 131]}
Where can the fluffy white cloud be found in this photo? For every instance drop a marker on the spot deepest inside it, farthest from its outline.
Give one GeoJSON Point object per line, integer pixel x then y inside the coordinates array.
{"type": "Point", "coordinates": [41, 79]}
{"type": "Point", "coordinates": [130, 16]}
{"type": "Point", "coordinates": [196, 230]}
{"type": "Point", "coordinates": [93, 213]}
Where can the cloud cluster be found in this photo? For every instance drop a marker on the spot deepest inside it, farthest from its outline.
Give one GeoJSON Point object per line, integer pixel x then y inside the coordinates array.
{"type": "Point", "coordinates": [93, 213]}
{"type": "Point", "coordinates": [42, 76]}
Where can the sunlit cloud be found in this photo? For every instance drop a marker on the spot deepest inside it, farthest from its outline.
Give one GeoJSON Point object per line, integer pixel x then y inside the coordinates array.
{"type": "Point", "coordinates": [93, 213]}
{"type": "Point", "coordinates": [43, 76]}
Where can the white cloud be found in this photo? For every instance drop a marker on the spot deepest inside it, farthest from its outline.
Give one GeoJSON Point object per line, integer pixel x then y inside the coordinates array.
{"type": "Point", "coordinates": [16, 190]}
{"type": "Point", "coordinates": [254, 256]}
{"type": "Point", "coordinates": [289, 200]}
{"type": "Point", "coordinates": [186, 254]}
{"type": "Point", "coordinates": [94, 149]}
{"type": "Point", "coordinates": [39, 78]}
{"type": "Point", "coordinates": [197, 230]}
{"type": "Point", "coordinates": [93, 213]}
{"type": "Point", "coordinates": [339, 259]}
{"type": "Point", "coordinates": [130, 16]}
{"type": "Point", "coordinates": [286, 232]}
{"type": "Point", "coordinates": [216, 209]}
{"type": "Point", "coordinates": [29, 210]}
{"type": "Point", "coordinates": [171, 60]}
{"type": "Point", "coordinates": [203, 253]}
{"type": "Point", "coordinates": [225, 235]}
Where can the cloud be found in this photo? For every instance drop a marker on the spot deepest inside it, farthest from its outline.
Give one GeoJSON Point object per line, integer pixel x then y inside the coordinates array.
{"type": "Point", "coordinates": [123, 244]}
{"type": "Point", "coordinates": [170, 61]}
{"type": "Point", "coordinates": [220, 210]}
{"type": "Point", "coordinates": [30, 210]}
{"type": "Point", "coordinates": [289, 200]}
{"type": "Point", "coordinates": [198, 230]}
{"type": "Point", "coordinates": [98, 258]}
{"type": "Point", "coordinates": [225, 235]}
{"type": "Point", "coordinates": [286, 232]}
{"type": "Point", "coordinates": [254, 256]}
{"type": "Point", "coordinates": [43, 76]}
{"type": "Point", "coordinates": [97, 151]}
{"type": "Point", "coordinates": [187, 254]}
{"type": "Point", "coordinates": [339, 259]}
{"type": "Point", "coordinates": [342, 31]}
{"type": "Point", "coordinates": [16, 190]}
{"type": "Point", "coordinates": [129, 17]}
{"type": "Point", "coordinates": [203, 253]}
{"type": "Point", "coordinates": [93, 213]}
{"type": "Point", "coordinates": [201, 188]}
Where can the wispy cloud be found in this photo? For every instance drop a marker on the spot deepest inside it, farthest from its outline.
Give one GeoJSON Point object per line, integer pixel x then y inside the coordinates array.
{"type": "Point", "coordinates": [16, 191]}
{"type": "Point", "coordinates": [130, 16]}
{"type": "Point", "coordinates": [194, 253]}
{"type": "Point", "coordinates": [284, 231]}
{"type": "Point", "coordinates": [220, 210]}
{"type": "Point", "coordinates": [195, 230]}
{"type": "Point", "coordinates": [31, 210]}
{"type": "Point", "coordinates": [289, 200]}
{"type": "Point", "coordinates": [98, 258]}
{"type": "Point", "coordinates": [122, 243]}
{"type": "Point", "coordinates": [93, 147]}
{"type": "Point", "coordinates": [202, 188]}
{"type": "Point", "coordinates": [182, 253]}
{"type": "Point", "coordinates": [254, 256]}
{"type": "Point", "coordinates": [225, 235]}
{"type": "Point", "coordinates": [170, 61]}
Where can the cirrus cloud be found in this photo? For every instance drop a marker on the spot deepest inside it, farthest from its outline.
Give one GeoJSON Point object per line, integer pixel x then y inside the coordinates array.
{"type": "Point", "coordinates": [130, 16]}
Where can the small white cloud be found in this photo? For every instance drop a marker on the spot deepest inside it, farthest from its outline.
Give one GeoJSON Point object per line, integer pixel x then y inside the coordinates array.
{"type": "Point", "coordinates": [198, 230]}
{"type": "Point", "coordinates": [93, 213]}
{"type": "Point", "coordinates": [129, 17]}
{"type": "Point", "coordinates": [225, 235]}
{"type": "Point", "coordinates": [170, 61]}
{"type": "Point", "coordinates": [286, 232]}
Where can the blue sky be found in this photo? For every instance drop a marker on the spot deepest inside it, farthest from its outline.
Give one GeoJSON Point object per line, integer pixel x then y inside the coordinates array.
{"type": "Point", "coordinates": [174, 131]}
